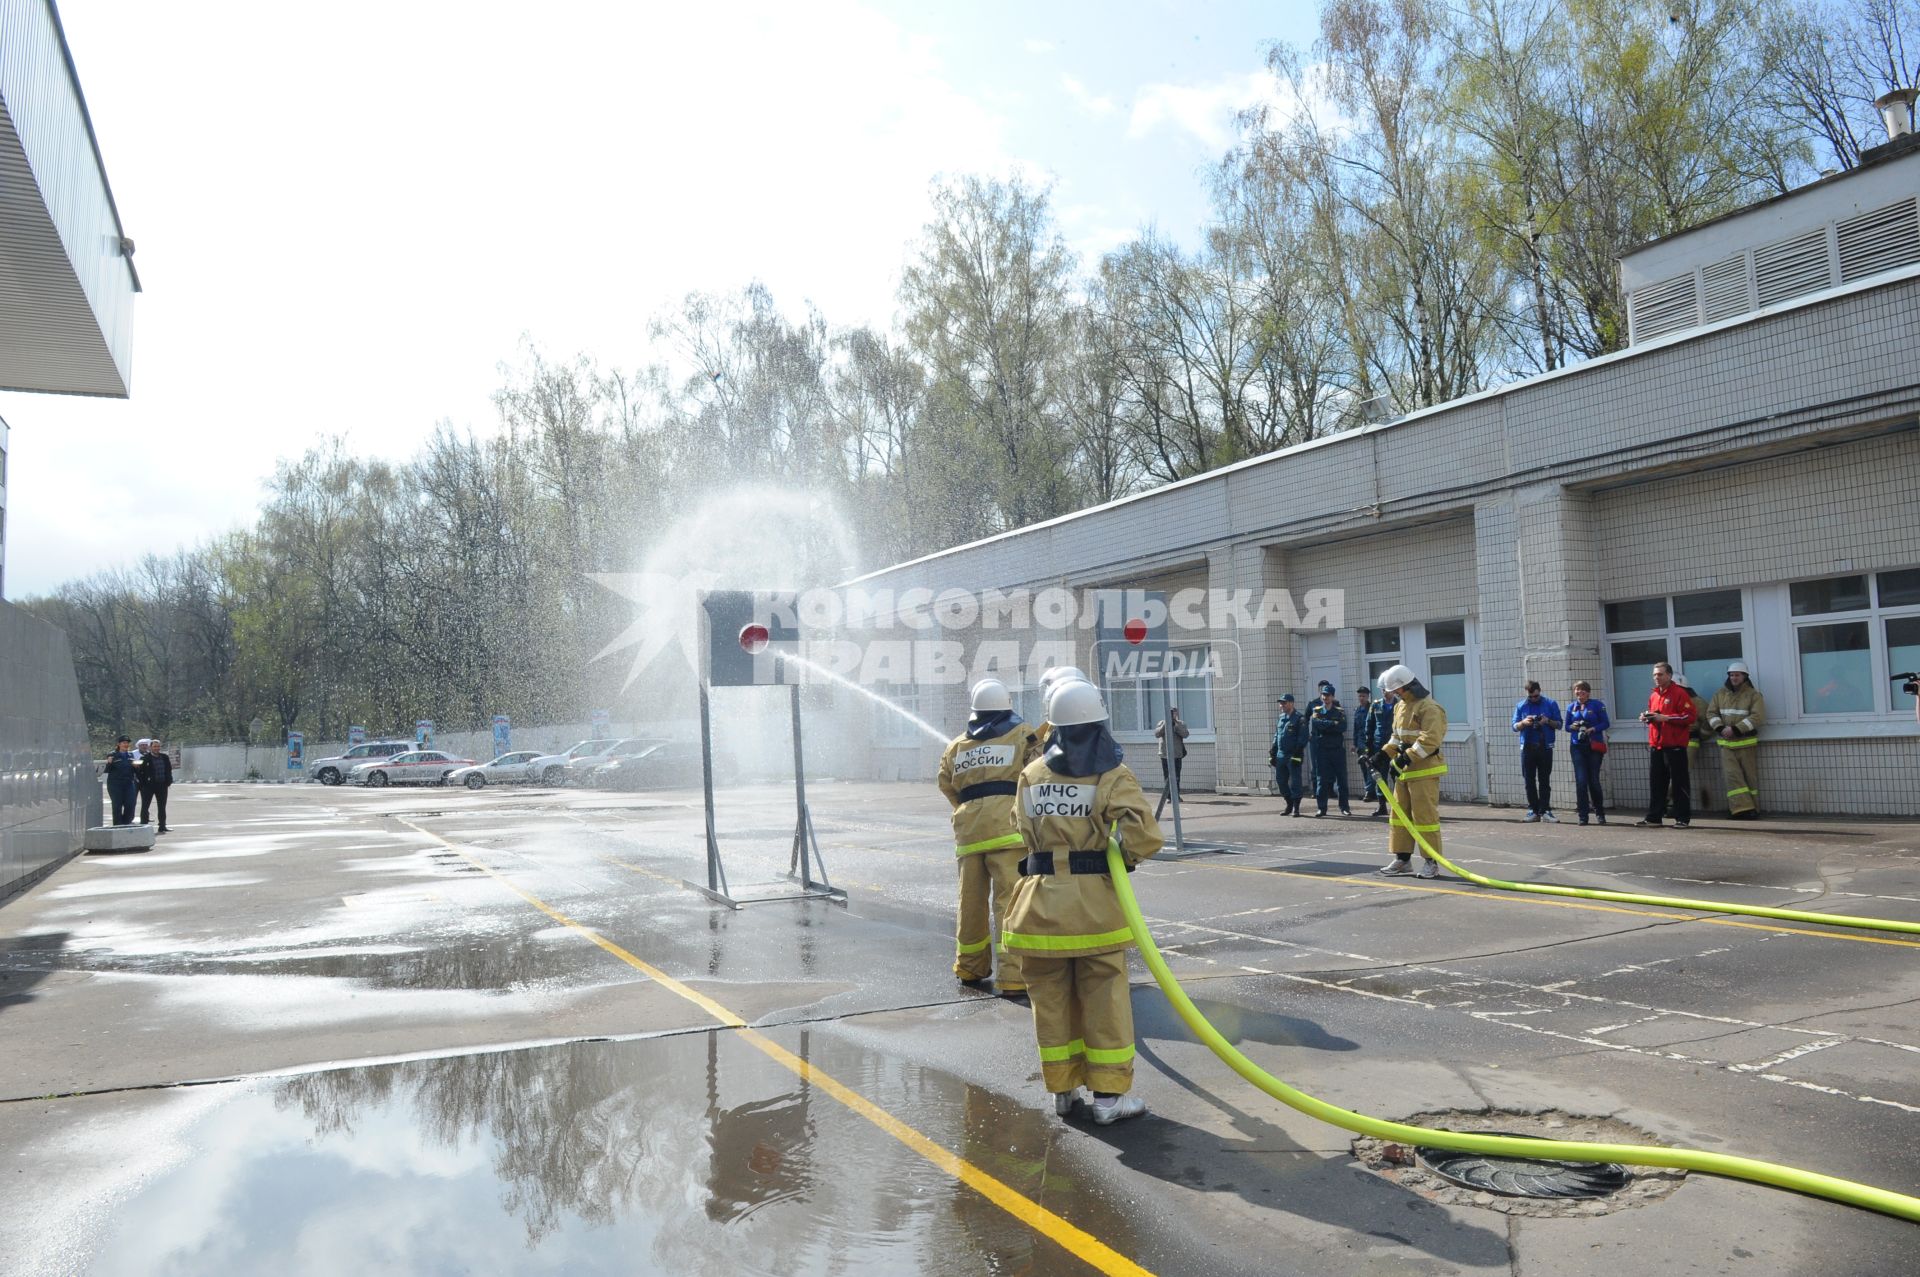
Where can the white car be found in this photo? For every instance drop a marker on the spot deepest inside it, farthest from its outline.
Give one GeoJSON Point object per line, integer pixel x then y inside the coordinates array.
{"type": "Point", "coordinates": [333, 771]}
{"type": "Point", "coordinates": [551, 769]}
{"type": "Point", "coordinates": [505, 769]}
{"type": "Point", "coordinates": [415, 767]}
{"type": "Point", "coordinates": [581, 770]}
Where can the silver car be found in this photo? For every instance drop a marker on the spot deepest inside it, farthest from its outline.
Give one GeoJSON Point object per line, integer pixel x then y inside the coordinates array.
{"type": "Point", "coordinates": [581, 770]}
{"type": "Point", "coordinates": [333, 771]}
{"type": "Point", "coordinates": [415, 767]}
{"type": "Point", "coordinates": [551, 769]}
{"type": "Point", "coordinates": [506, 769]}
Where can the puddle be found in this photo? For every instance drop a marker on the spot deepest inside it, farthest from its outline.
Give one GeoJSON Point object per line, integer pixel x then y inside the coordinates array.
{"type": "Point", "coordinates": [688, 1155]}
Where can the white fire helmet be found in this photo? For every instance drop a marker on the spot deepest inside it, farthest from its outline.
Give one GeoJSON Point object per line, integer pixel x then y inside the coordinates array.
{"type": "Point", "coordinates": [1739, 667]}
{"type": "Point", "coordinates": [990, 694]}
{"type": "Point", "coordinates": [1060, 673]}
{"type": "Point", "coordinates": [1395, 678]}
{"type": "Point", "coordinates": [1073, 679]}
{"type": "Point", "coordinates": [1075, 701]}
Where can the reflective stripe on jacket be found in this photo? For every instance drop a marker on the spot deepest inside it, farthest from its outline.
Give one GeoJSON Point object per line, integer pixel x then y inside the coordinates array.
{"type": "Point", "coordinates": [1744, 711]}
{"type": "Point", "coordinates": [1057, 911]}
{"type": "Point", "coordinates": [1419, 727]}
{"type": "Point", "coordinates": [980, 777]}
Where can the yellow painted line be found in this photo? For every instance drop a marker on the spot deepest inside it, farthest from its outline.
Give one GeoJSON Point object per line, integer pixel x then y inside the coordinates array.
{"type": "Point", "coordinates": [1076, 1241]}
{"type": "Point", "coordinates": [1501, 898]}
{"type": "Point", "coordinates": [639, 869]}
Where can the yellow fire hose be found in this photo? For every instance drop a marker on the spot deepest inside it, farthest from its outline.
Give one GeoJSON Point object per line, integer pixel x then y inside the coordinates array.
{"type": "Point", "coordinates": [1828, 1186]}
{"type": "Point", "coordinates": [1634, 898]}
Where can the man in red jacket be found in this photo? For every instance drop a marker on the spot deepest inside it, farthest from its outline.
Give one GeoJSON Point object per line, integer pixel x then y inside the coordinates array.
{"type": "Point", "coordinates": [1669, 717]}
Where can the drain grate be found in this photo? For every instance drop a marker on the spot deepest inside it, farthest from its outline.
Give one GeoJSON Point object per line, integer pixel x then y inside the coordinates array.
{"type": "Point", "coordinates": [1525, 1176]}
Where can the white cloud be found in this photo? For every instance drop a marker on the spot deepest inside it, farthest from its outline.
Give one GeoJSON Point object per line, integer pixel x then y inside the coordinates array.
{"type": "Point", "coordinates": [1208, 112]}
{"type": "Point", "coordinates": [1099, 106]}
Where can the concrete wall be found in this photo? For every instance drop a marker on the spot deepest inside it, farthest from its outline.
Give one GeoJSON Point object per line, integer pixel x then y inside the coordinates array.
{"type": "Point", "coordinates": [49, 792]}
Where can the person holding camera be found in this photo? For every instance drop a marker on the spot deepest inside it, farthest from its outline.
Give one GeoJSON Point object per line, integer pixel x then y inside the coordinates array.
{"type": "Point", "coordinates": [1536, 718]}
{"type": "Point", "coordinates": [1587, 725]}
{"type": "Point", "coordinates": [1734, 716]}
{"type": "Point", "coordinates": [1669, 718]}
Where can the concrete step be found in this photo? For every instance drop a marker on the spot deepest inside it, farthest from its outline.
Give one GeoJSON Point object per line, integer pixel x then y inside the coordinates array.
{"type": "Point", "coordinates": [120, 838]}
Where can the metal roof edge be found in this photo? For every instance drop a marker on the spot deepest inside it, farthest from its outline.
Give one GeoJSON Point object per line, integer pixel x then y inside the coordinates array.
{"type": "Point", "coordinates": [93, 139]}
{"type": "Point", "coordinates": [1493, 392]}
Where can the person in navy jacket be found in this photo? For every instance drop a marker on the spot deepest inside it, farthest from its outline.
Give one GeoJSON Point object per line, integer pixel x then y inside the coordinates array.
{"type": "Point", "coordinates": [1288, 752]}
{"type": "Point", "coordinates": [1587, 725]}
{"type": "Point", "coordinates": [1535, 719]}
{"type": "Point", "coordinates": [1327, 742]}
{"type": "Point", "coordinates": [1365, 726]}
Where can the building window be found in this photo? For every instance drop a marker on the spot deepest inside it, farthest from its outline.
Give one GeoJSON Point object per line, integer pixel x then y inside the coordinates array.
{"type": "Point", "coordinates": [1700, 635]}
{"type": "Point", "coordinates": [1383, 651]}
{"type": "Point", "coordinates": [1136, 705]}
{"type": "Point", "coordinates": [1447, 663]}
{"type": "Point", "coordinates": [897, 729]}
{"type": "Point", "coordinates": [1856, 632]}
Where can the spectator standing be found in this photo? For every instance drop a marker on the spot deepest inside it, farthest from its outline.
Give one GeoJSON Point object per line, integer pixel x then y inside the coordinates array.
{"type": "Point", "coordinates": [1380, 731]}
{"type": "Point", "coordinates": [1535, 719]}
{"type": "Point", "coordinates": [155, 770]}
{"type": "Point", "coordinates": [1669, 720]}
{"type": "Point", "coordinates": [1288, 754]}
{"type": "Point", "coordinates": [1327, 734]}
{"type": "Point", "coordinates": [1363, 746]}
{"type": "Point", "coordinates": [1171, 733]}
{"type": "Point", "coordinates": [1696, 772]}
{"type": "Point", "coordinates": [122, 779]}
{"type": "Point", "coordinates": [1587, 725]}
{"type": "Point", "coordinates": [1735, 716]}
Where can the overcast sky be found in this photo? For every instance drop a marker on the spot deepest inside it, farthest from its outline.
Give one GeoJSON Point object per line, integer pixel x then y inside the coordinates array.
{"type": "Point", "coordinates": [349, 216]}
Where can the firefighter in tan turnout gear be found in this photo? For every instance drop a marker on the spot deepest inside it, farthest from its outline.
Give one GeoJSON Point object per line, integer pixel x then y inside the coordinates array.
{"type": "Point", "coordinates": [1412, 757]}
{"type": "Point", "coordinates": [979, 774]}
{"type": "Point", "coordinates": [1066, 923]}
{"type": "Point", "coordinates": [1734, 716]}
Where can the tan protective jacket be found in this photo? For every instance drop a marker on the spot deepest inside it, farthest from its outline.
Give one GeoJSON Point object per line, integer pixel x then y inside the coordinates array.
{"type": "Point", "coordinates": [1744, 711]}
{"type": "Point", "coordinates": [979, 778]}
{"type": "Point", "coordinates": [1059, 913]}
{"type": "Point", "coordinates": [1419, 727]}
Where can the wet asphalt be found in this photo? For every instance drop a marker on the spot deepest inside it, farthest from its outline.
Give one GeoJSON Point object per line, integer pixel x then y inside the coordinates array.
{"type": "Point", "coordinates": [431, 1031]}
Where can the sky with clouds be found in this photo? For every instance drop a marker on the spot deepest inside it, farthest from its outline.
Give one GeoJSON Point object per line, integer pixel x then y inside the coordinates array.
{"type": "Point", "coordinates": [348, 218]}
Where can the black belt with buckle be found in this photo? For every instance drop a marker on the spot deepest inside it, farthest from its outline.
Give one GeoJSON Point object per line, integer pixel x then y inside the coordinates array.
{"type": "Point", "coordinates": [1037, 864]}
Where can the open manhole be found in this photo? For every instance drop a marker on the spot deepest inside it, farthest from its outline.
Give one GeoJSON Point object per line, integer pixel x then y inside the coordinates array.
{"type": "Point", "coordinates": [1522, 1185]}
{"type": "Point", "coordinates": [1525, 1176]}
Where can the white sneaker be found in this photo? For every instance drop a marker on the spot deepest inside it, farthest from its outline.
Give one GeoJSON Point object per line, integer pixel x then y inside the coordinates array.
{"type": "Point", "coordinates": [1531, 816]}
{"type": "Point", "coordinates": [1550, 818]}
{"type": "Point", "coordinates": [1063, 1101]}
{"type": "Point", "coordinates": [1428, 868]}
{"type": "Point", "coordinates": [1117, 1109]}
{"type": "Point", "coordinates": [1396, 868]}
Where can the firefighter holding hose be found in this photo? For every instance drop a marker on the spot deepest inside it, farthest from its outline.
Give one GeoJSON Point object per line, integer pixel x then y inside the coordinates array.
{"type": "Point", "coordinates": [1066, 924]}
{"type": "Point", "coordinates": [1412, 757]}
{"type": "Point", "coordinates": [979, 773]}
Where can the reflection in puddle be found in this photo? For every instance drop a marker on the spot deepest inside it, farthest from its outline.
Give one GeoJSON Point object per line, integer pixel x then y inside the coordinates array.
{"type": "Point", "coordinates": [689, 1154]}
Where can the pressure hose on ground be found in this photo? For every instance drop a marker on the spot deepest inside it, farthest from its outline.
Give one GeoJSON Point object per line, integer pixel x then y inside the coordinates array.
{"type": "Point", "coordinates": [1839, 1190]}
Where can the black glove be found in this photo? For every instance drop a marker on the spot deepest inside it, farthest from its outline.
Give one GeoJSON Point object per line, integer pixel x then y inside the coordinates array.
{"type": "Point", "coordinates": [1384, 763]}
{"type": "Point", "coordinates": [1273, 755]}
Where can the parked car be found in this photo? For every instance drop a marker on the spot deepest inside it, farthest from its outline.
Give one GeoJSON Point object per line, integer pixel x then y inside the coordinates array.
{"type": "Point", "coordinates": [581, 770]}
{"type": "Point", "coordinates": [551, 769]}
{"type": "Point", "coordinates": [415, 767]}
{"type": "Point", "coordinates": [662, 765]}
{"type": "Point", "coordinates": [506, 769]}
{"type": "Point", "coordinates": [331, 771]}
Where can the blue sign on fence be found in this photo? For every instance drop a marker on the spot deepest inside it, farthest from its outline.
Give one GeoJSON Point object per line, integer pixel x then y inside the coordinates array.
{"type": "Point", "coordinates": [502, 734]}
{"type": "Point", "coordinates": [356, 736]}
{"type": "Point", "coordinates": [296, 751]}
{"type": "Point", "coordinates": [423, 734]}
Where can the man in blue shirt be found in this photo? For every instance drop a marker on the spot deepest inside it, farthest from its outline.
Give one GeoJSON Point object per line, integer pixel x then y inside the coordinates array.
{"type": "Point", "coordinates": [1327, 742]}
{"type": "Point", "coordinates": [1365, 728]}
{"type": "Point", "coordinates": [1535, 719]}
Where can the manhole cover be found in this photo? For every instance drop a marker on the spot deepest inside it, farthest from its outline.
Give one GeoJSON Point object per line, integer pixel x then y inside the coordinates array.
{"type": "Point", "coordinates": [1526, 1176]}
{"type": "Point", "coordinates": [1542, 1187]}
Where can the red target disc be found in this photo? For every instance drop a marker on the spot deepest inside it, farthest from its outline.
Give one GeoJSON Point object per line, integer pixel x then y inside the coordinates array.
{"type": "Point", "coordinates": [1136, 631]}
{"type": "Point", "coordinates": [753, 638]}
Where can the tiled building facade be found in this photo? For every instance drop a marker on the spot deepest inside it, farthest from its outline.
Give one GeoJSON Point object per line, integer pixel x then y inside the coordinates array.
{"type": "Point", "coordinates": [1746, 489]}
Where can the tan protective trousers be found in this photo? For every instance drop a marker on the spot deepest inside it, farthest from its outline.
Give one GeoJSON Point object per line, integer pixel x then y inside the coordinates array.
{"type": "Point", "coordinates": [985, 874]}
{"type": "Point", "coordinates": [1740, 764]}
{"type": "Point", "coordinates": [1083, 1021]}
{"type": "Point", "coordinates": [1420, 800]}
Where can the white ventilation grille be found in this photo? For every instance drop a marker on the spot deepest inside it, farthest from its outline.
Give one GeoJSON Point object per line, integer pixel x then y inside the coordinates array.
{"type": "Point", "coordinates": [1723, 289]}
{"type": "Point", "coordinates": [1884, 239]}
{"type": "Point", "coordinates": [1792, 268]}
{"type": "Point", "coordinates": [1664, 307]}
